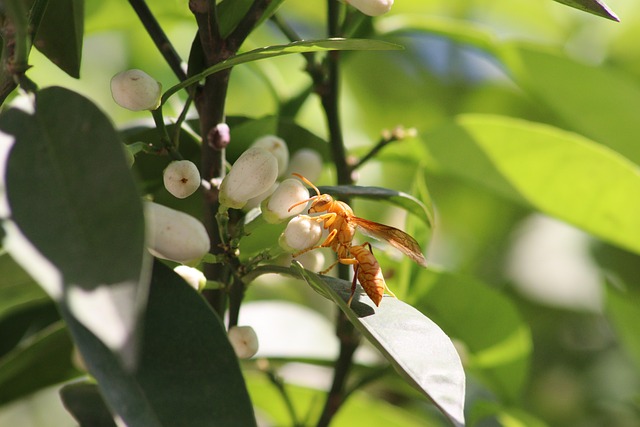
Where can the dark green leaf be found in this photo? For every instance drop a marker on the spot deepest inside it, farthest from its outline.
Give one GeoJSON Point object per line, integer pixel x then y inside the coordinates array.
{"type": "Point", "coordinates": [279, 50]}
{"type": "Point", "coordinates": [188, 374]}
{"type": "Point", "coordinates": [411, 342]}
{"type": "Point", "coordinates": [555, 172]}
{"type": "Point", "coordinates": [498, 342]}
{"type": "Point", "coordinates": [45, 359]}
{"type": "Point", "coordinates": [84, 401]}
{"type": "Point", "coordinates": [397, 198]}
{"type": "Point", "coordinates": [59, 36]}
{"type": "Point", "coordinates": [79, 207]}
{"type": "Point", "coordinates": [595, 7]}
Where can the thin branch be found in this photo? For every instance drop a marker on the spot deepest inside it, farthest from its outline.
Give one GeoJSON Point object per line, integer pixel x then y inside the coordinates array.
{"type": "Point", "coordinates": [349, 342]}
{"type": "Point", "coordinates": [265, 367]}
{"type": "Point", "coordinates": [397, 134]}
{"type": "Point", "coordinates": [159, 38]}
{"type": "Point", "coordinates": [243, 29]}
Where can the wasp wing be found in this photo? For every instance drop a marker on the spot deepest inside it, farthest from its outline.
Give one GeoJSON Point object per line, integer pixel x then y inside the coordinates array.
{"type": "Point", "coordinates": [396, 238]}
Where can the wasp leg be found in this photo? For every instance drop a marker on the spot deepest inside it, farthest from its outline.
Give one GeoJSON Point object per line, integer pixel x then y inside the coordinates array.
{"type": "Point", "coordinates": [324, 244]}
{"type": "Point", "coordinates": [353, 285]}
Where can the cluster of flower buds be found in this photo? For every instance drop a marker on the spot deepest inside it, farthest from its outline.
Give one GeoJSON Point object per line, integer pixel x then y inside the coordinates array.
{"type": "Point", "coordinates": [252, 180]}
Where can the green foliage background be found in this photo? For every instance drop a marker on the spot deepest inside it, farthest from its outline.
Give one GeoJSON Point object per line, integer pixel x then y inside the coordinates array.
{"type": "Point", "coordinates": [527, 123]}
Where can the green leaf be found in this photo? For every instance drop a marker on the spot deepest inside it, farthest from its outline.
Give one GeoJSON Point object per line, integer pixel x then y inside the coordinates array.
{"type": "Point", "coordinates": [76, 218]}
{"type": "Point", "coordinates": [59, 36]}
{"type": "Point", "coordinates": [596, 7]}
{"type": "Point", "coordinates": [43, 360]}
{"type": "Point", "coordinates": [624, 310]}
{"type": "Point", "coordinates": [188, 373]}
{"type": "Point", "coordinates": [555, 172]}
{"type": "Point", "coordinates": [17, 289]}
{"type": "Point", "coordinates": [84, 401]}
{"type": "Point", "coordinates": [497, 340]}
{"type": "Point", "coordinates": [279, 50]}
{"type": "Point", "coordinates": [411, 342]}
{"type": "Point", "coordinates": [397, 198]}
{"type": "Point", "coordinates": [596, 101]}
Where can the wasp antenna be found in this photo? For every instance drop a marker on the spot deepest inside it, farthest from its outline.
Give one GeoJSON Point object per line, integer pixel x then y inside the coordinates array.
{"type": "Point", "coordinates": [300, 203]}
{"type": "Point", "coordinates": [306, 181]}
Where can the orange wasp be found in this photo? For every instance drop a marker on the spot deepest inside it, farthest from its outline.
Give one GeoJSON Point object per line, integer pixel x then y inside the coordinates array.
{"type": "Point", "coordinates": [338, 218]}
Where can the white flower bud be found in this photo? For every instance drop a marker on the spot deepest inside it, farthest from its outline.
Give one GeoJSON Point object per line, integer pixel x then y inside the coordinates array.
{"type": "Point", "coordinates": [254, 202]}
{"type": "Point", "coordinates": [306, 162]}
{"type": "Point", "coordinates": [372, 7]}
{"type": "Point", "coordinates": [253, 173]}
{"type": "Point", "coordinates": [277, 147]}
{"type": "Point", "coordinates": [244, 341]}
{"type": "Point", "coordinates": [136, 90]}
{"type": "Point", "coordinates": [301, 233]}
{"type": "Point", "coordinates": [181, 178]}
{"type": "Point", "coordinates": [192, 276]}
{"type": "Point", "coordinates": [174, 235]}
{"type": "Point", "coordinates": [275, 208]}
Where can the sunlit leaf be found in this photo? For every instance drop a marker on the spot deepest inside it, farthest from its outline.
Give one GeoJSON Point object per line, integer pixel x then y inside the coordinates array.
{"type": "Point", "coordinates": [598, 102]}
{"type": "Point", "coordinates": [76, 219]}
{"type": "Point", "coordinates": [411, 342]}
{"type": "Point", "coordinates": [553, 171]}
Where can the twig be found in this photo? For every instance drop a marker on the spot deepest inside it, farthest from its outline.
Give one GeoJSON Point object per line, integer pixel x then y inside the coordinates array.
{"type": "Point", "coordinates": [265, 367]}
{"type": "Point", "coordinates": [397, 134]}
{"type": "Point", "coordinates": [159, 37]}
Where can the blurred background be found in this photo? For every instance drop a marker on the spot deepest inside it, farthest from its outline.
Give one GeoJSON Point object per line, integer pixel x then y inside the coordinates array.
{"type": "Point", "coordinates": [583, 365]}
